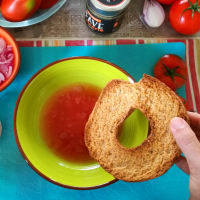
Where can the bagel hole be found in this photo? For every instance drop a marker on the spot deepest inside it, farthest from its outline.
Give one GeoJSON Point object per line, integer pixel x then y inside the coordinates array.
{"type": "Point", "coordinates": [134, 130]}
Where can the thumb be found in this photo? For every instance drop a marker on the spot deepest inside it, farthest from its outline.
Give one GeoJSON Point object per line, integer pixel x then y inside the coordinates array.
{"type": "Point", "coordinates": [187, 141]}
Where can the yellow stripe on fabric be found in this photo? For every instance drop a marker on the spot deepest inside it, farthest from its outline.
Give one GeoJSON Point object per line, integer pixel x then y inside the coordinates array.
{"type": "Point", "coordinates": [157, 41]}
{"type": "Point", "coordinates": [46, 43]}
{"type": "Point", "coordinates": [107, 42]}
{"type": "Point", "coordinates": [161, 41]}
{"type": "Point", "coordinates": [96, 42]}
{"type": "Point", "coordinates": [55, 43]}
{"type": "Point", "coordinates": [151, 41]}
{"type": "Point", "coordinates": [59, 43]}
{"type": "Point", "coordinates": [147, 41]}
{"type": "Point", "coordinates": [190, 77]}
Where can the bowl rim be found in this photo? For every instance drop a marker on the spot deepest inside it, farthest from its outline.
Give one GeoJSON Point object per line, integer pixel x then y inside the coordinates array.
{"type": "Point", "coordinates": [17, 64]}
{"type": "Point", "coordinates": [15, 118]}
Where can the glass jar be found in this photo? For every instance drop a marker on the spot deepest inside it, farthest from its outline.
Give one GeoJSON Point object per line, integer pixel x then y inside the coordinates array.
{"type": "Point", "coordinates": [105, 16]}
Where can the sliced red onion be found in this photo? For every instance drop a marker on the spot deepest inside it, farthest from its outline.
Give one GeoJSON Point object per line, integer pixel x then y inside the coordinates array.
{"type": "Point", "coordinates": [6, 60]}
{"type": "Point", "coordinates": [2, 78]}
{"type": "Point", "coordinates": [8, 74]}
{"type": "Point", "coordinates": [2, 58]}
{"type": "Point", "coordinates": [9, 47]}
{"type": "Point", "coordinates": [2, 45]}
{"type": "Point", "coordinates": [8, 50]}
{"type": "Point", "coordinates": [9, 59]}
{"type": "Point", "coordinates": [3, 68]}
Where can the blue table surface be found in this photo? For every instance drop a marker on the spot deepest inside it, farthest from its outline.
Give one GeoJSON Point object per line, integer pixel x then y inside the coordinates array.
{"type": "Point", "coordinates": [19, 182]}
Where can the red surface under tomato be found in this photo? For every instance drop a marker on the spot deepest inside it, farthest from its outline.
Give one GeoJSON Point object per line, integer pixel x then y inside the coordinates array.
{"type": "Point", "coordinates": [171, 70]}
{"type": "Point", "coordinates": [63, 121]}
{"type": "Point", "coordinates": [187, 106]}
{"type": "Point", "coordinates": [166, 2]}
{"type": "Point", "coordinates": [47, 3]}
{"type": "Point", "coordinates": [19, 10]}
{"type": "Point", "coordinates": [183, 20]}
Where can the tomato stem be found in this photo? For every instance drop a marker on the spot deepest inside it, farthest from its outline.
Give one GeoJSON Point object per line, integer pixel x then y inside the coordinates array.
{"type": "Point", "coordinates": [193, 6]}
{"type": "Point", "coordinates": [172, 72]}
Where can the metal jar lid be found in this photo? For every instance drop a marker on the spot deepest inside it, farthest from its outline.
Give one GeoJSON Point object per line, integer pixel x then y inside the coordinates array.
{"type": "Point", "coordinates": [108, 7]}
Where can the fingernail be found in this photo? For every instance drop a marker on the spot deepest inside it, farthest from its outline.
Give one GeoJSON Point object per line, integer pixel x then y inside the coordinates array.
{"type": "Point", "coordinates": [177, 123]}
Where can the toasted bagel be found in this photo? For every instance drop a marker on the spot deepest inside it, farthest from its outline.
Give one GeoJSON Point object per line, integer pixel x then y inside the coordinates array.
{"type": "Point", "coordinates": [157, 153]}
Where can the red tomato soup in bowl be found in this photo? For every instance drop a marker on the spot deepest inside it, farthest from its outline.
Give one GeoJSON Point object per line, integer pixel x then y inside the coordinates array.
{"type": "Point", "coordinates": [9, 59]}
{"type": "Point", "coordinates": [50, 117]}
{"type": "Point", "coordinates": [63, 119]}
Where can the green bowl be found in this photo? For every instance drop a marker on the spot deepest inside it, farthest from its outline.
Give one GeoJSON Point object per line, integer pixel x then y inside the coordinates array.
{"type": "Point", "coordinates": [27, 114]}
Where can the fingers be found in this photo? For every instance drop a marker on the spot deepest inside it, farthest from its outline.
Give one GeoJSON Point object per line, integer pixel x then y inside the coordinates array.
{"type": "Point", "coordinates": [183, 165]}
{"type": "Point", "coordinates": [195, 119]}
{"type": "Point", "coordinates": [188, 143]}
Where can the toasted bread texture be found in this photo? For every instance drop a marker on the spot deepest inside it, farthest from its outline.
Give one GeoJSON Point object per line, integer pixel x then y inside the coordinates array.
{"type": "Point", "coordinates": [158, 152]}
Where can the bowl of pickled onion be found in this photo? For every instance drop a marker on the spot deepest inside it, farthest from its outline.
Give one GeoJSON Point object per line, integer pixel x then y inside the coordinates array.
{"type": "Point", "coordinates": [9, 59]}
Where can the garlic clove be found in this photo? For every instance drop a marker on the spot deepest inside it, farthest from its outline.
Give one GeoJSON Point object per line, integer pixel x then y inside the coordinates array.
{"type": "Point", "coordinates": [153, 13]}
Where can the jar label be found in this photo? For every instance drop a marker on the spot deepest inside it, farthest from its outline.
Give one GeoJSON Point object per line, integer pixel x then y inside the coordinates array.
{"type": "Point", "coordinates": [101, 25]}
{"type": "Point", "coordinates": [111, 2]}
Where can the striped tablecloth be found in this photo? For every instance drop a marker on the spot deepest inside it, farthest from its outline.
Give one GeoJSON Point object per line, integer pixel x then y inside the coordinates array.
{"type": "Point", "coordinates": [192, 58]}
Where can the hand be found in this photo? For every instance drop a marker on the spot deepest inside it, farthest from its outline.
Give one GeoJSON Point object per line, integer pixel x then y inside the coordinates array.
{"type": "Point", "coordinates": [188, 139]}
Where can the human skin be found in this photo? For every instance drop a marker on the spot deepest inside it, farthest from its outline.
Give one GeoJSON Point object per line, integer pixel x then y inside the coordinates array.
{"type": "Point", "coordinates": [188, 139]}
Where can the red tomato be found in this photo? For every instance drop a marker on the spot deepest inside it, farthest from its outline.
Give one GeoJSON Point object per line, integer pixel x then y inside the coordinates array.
{"type": "Point", "coordinates": [47, 3]}
{"type": "Point", "coordinates": [184, 16]}
{"type": "Point", "coordinates": [171, 70]}
{"type": "Point", "coordinates": [18, 10]}
{"type": "Point", "coordinates": [166, 2]}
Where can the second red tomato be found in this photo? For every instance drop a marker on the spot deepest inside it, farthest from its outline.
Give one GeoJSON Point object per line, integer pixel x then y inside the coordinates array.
{"type": "Point", "coordinates": [19, 10]}
{"type": "Point", "coordinates": [171, 70]}
{"type": "Point", "coordinates": [184, 16]}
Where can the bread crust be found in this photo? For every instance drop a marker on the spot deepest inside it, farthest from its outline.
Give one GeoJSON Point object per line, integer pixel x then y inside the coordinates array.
{"type": "Point", "coordinates": [158, 152]}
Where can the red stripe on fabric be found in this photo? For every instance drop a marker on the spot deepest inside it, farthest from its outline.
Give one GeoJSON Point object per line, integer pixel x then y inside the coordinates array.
{"type": "Point", "coordinates": [38, 43]}
{"type": "Point", "coordinates": [89, 42]}
{"type": "Point", "coordinates": [74, 43]}
{"type": "Point", "coordinates": [119, 42]}
{"type": "Point", "coordinates": [188, 88]}
{"type": "Point", "coordinates": [193, 74]}
{"type": "Point", "coordinates": [141, 41]}
{"type": "Point", "coordinates": [187, 84]}
{"type": "Point", "coordinates": [177, 40]}
{"type": "Point", "coordinates": [25, 43]}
